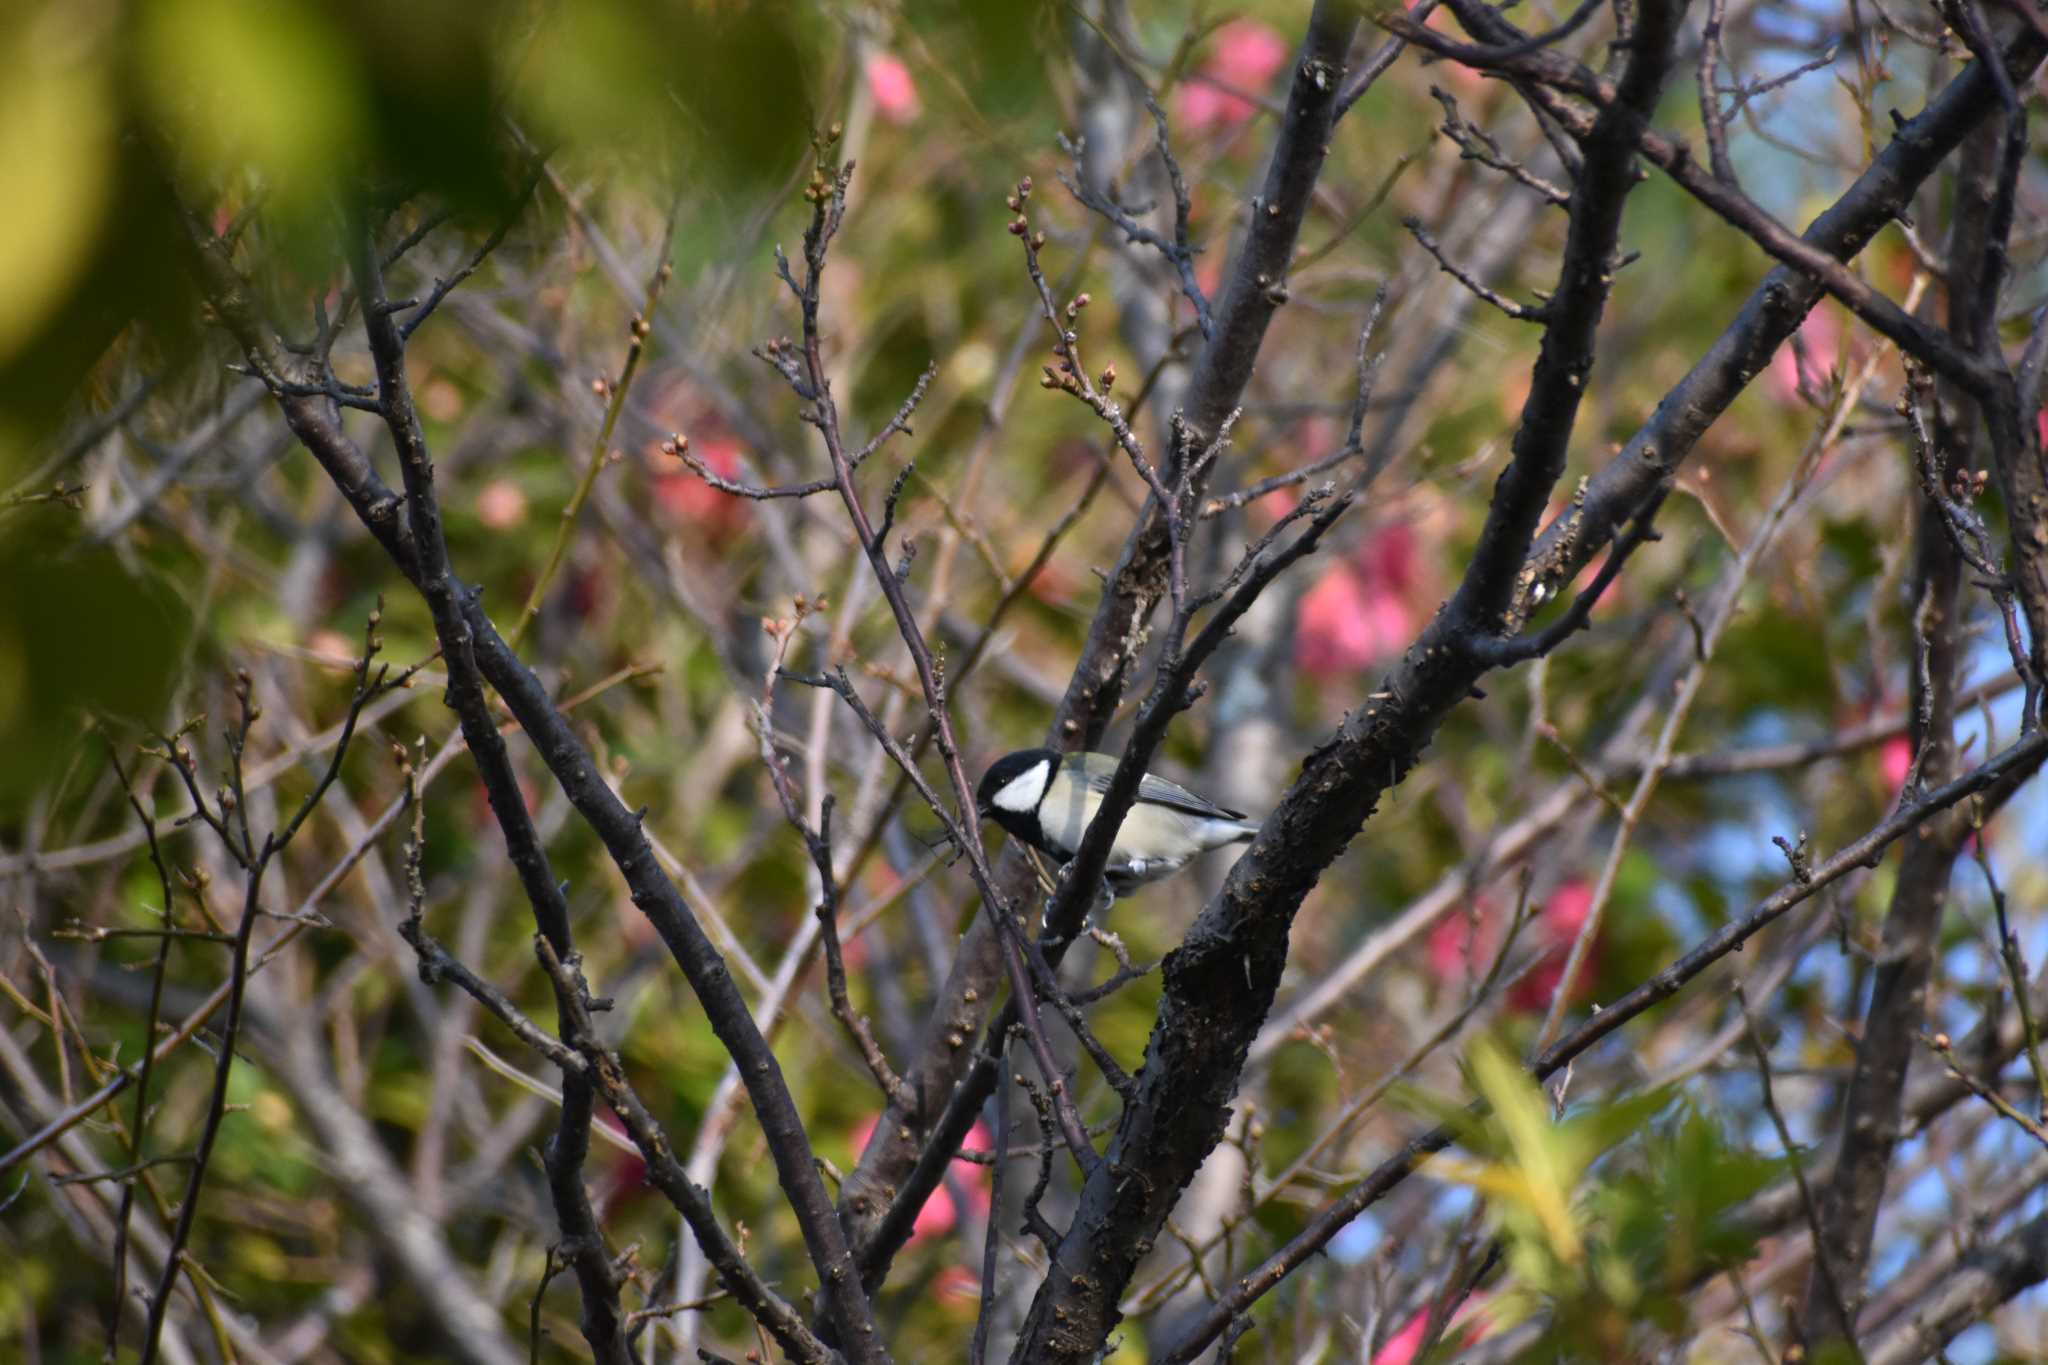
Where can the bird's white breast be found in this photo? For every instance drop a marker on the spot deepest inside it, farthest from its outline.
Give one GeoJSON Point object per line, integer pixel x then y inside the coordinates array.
{"type": "Point", "coordinates": [1065, 818]}
{"type": "Point", "coordinates": [1024, 791]}
{"type": "Point", "coordinates": [1168, 837]}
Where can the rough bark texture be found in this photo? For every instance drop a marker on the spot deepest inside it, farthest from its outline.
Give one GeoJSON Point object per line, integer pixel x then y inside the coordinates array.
{"type": "Point", "coordinates": [1871, 1113]}
{"type": "Point", "coordinates": [946, 1070]}
{"type": "Point", "coordinates": [1219, 983]}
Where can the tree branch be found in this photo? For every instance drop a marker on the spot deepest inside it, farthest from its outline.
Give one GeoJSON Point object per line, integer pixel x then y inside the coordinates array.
{"type": "Point", "coordinates": [1989, 1277]}
{"type": "Point", "coordinates": [1219, 983]}
{"type": "Point", "coordinates": [2015, 763]}
{"type": "Point", "coordinates": [1773, 311]}
{"type": "Point", "coordinates": [619, 829]}
{"type": "Point", "coordinates": [947, 1073]}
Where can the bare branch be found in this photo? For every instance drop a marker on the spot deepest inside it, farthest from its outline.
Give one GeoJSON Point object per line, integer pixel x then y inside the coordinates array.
{"type": "Point", "coordinates": [2022, 758]}
{"type": "Point", "coordinates": [1520, 312]}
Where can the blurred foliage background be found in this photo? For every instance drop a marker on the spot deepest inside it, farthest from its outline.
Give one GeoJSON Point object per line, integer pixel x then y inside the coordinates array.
{"type": "Point", "coordinates": [159, 530]}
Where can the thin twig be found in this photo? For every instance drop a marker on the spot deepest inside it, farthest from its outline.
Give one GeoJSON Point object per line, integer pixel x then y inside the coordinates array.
{"type": "Point", "coordinates": [1823, 1258]}
{"type": "Point", "coordinates": [614, 392]}
{"type": "Point", "coordinates": [1939, 1044]}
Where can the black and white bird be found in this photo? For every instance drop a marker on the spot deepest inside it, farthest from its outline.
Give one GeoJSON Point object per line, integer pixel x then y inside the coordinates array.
{"type": "Point", "coordinates": [1047, 800]}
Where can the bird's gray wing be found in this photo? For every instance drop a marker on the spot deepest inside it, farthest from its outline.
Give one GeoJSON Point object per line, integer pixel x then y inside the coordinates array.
{"type": "Point", "coordinates": [1160, 792]}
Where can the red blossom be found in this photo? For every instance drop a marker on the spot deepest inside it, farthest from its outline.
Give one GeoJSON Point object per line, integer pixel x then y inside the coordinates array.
{"type": "Point", "coordinates": [1557, 925]}
{"type": "Point", "coordinates": [1462, 947]}
{"type": "Point", "coordinates": [891, 88]}
{"type": "Point", "coordinates": [940, 1214]}
{"type": "Point", "coordinates": [1245, 57]}
{"type": "Point", "coordinates": [690, 502]}
{"type": "Point", "coordinates": [1359, 612]}
{"type": "Point", "coordinates": [1820, 336]}
{"type": "Point", "coordinates": [1895, 760]}
{"type": "Point", "coordinates": [1402, 1346]}
{"type": "Point", "coordinates": [1346, 624]}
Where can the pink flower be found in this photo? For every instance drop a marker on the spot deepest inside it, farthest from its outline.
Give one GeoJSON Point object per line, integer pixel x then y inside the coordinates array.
{"type": "Point", "coordinates": [1820, 336]}
{"type": "Point", "coordinates": [1244, 59]}
{"type": "Point", "coordinates": [685, 498]}
{"type": "Point", "coordinates": [1358, 612]}
{"type": "Point", "coordinates": [1389, 557]}
{"type": "Point", "coordinates": [501, 505]}
{"type": "Point", "coordinates": [1894, 761]}
{"type": "Point", "coordinates": [1462, 947]}
{"type": "Point", "coordinates": [1345, 623]}
{"type": "Point", "coordinates": [939, 1213]}
{"type": "Point", "coordinates": [890, 87]}
{"type": "Point", "coordinates": [1402, 1346]}
{"type": "Point", "coordinates": [1557, 925]}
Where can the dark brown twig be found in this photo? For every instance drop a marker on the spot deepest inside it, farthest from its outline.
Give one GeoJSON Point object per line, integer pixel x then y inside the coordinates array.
{"type": "Point", "coordinates": [818, 843]}
{"type": "Point", "coordinates": [378, 508]}
{"type": "Point", "coordinates": [1823, 1254]}
{"type": "Point", "coordinates": [775, 1314]}
{"type": "Point", "coordinates": [2023, 757]}
{"type": "Point", "coordinates": [1367, 372]}
{"type": "Point", "coordinates": [1939, 1044]}
{"type": "Point", "coordinates": [1476, 144]}
{"type": "Point", "coordinates": [1178, 250]}
{"type": "Point", "coordinates": [1708, 77]}
{"type": "Point", "coordinates": [139, 1128]}
{"type": "Point", "coordinates": [231, 823]}
{"type": "Point", "coordinates": [1520, 312]}
{"type": "Point", "coordinates": [442, 288]}
{"type": "Point", "coordinates": [804, 367]}
{"type": "Point", "coordinates": [581, 1242]}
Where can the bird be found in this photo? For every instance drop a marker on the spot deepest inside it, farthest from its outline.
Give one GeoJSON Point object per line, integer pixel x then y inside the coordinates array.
{"type": "Point", "coordinates": [1047, 799]}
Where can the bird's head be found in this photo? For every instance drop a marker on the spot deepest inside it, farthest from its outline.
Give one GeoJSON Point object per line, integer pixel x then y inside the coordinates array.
{"type": "Point", "coordinates": [1015, 783]}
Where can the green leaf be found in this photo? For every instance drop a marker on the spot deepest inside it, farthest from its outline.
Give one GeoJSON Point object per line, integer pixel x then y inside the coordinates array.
{"type": "Point", "coordinates": [56, 165]}
{"type": "Point", "coordinates": [1598, 1127]}
{"type": "Point", "coordinates": [249, 81]}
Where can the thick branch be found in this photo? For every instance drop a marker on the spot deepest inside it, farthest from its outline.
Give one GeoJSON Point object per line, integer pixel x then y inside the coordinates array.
{"type": "Point", "coordinates": [1220, 982]}
{"type": "Point", "coordinates": [377, 506]}
{"type": "Point", "coordinates": [1135, 586]}
{"type": "Point", "coordinates": [2015, 764]}
{"type": "Point", "coordinates": [583, 1243]}
{"type": "Point", "coordinates": [1871, 1118]}
{"type": "Point", "coordinates": [1572, 315]}
{"type": "Point", "coordinates": [1988, 1278]}
{"type": "Point", "coordinates": [1548, 76]}
{"type": "Point", "coordinates": [1771, 314]}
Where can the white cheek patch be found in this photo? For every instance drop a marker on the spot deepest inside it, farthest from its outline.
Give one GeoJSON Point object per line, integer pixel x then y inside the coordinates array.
{"type": "Point", "coordinates": [1024, 791]}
